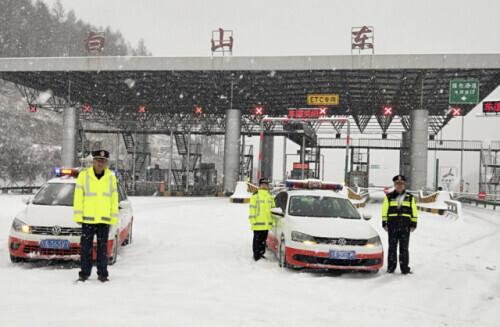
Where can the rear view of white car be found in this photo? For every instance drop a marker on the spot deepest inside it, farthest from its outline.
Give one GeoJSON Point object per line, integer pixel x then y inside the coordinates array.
{"type": "Point", "coordinates": [45, 228]}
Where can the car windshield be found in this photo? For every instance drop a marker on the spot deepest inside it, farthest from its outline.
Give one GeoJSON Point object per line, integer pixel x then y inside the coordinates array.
{"type": "Point", "coordinates": [322, 206]}
{"type": "Point", "coordinates": [55, 194]}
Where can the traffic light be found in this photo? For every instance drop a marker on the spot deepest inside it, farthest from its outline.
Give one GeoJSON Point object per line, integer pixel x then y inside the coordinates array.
{"type": "Point", "coordinates": [198, 110]}
{"type": "Point", "coordinates": [33, 108]}
{"type": "Point", "coordinates": [142, 109]}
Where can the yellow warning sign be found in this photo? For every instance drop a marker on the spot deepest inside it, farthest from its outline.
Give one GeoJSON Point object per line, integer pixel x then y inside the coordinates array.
{"type": "Point", "coordinates": [322, 99]}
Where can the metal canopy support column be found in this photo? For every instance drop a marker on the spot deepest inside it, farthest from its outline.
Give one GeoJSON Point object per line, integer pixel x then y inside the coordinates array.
{"type": "Point", "coordinates": [285, 138]}
{"type": "Point", "coordinates": [170, 161]}
{"type": "Point", "coordinates": [267, 153]}
{"type": "Point", "coordinates": [418, 149]}
{"type": "Point", "coordinates": [68, 151]}
{"type": "Point", "coordinates": [404, 155]}
{"type": "Point", "coordinates": [232, 149]}
{"type": "Point", "coordinates": [69, 137]}
{"type": "Point", "coordinates": [188, 161]}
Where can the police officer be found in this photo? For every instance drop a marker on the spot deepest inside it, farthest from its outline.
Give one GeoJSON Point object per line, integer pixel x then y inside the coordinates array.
{"type": "Point", "coordinates": [399, 217]}
{"type": "Point", "coordinates": [261, 220]}
{"type": "Point", "coordinates": [95, 208]}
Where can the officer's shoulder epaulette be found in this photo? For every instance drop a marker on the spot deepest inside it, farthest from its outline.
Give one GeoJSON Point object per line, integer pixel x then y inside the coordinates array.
{"type": "Point", "coordinates": [255, 192]}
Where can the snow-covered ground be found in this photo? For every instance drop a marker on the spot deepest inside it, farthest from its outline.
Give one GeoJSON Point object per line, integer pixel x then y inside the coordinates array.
{"type": "Point", "coordinates": [191, 265]}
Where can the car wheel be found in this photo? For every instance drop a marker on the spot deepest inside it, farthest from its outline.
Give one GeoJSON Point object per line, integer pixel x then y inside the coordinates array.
{"type": "Point", "coordinates": [14, 259]}
{"type": "Point", "coordinates": [114, 257]}
{"type": "Point", "coordinates": [282, 254]}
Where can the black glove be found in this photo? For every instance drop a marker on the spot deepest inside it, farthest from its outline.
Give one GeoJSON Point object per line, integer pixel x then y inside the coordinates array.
{"type": "Point", "coordinates": [413, 226]}
{"type": "Point", "coordinates": [384, 225]}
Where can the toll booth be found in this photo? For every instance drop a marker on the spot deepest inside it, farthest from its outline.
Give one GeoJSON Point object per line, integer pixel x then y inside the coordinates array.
{"type": "Point", "coordinates": [359, 174]}
{"type": "Point", "coordinates": [296, 172]}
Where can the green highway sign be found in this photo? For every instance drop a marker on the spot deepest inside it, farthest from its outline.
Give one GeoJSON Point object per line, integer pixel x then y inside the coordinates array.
{"type": "Point", "coordinates": [464, 91]}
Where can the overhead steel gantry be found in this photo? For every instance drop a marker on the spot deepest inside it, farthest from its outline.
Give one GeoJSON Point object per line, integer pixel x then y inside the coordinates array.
{"type": "Point", "coordinates": [415, 86]}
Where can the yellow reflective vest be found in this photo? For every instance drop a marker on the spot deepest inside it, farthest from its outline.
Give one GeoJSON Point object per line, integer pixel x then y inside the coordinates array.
{"type": "Point", "coordinates": [391, 211]}
{"type": "Point", "coordinates": [95, 200]}
{"type": "Point", "coordinates": [260, 216]}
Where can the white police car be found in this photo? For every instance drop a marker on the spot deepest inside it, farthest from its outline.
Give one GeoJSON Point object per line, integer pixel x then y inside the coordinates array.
{"type": "Point", "coordinates": [318, 227]}
{"type": "Point", "coordinates": [45, 228]}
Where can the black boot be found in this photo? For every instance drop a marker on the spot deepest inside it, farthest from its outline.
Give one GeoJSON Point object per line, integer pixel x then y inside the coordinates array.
{"type": "Point", "coordinates": [103, 279]}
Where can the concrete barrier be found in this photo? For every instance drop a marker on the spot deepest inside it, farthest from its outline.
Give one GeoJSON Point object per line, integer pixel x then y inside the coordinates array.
{"type": "Point", "coordinates": [243, 192]}
{"type": "Point", "coordinates": [454, 210]}
{"type": "Point", "coordinates": [434, 203]}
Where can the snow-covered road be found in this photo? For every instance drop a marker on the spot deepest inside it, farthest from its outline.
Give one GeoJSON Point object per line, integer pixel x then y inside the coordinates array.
{"type": "Point", "coordinates": [191, 265]}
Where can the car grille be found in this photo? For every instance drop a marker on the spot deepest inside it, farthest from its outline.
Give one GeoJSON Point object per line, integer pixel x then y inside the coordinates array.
{"type": "Point", "coordinates": [336, 262]}
{"type": "Point", "coordinates": [35, 249]}
{"type": "Point", "coordinates": [65, 231]}
{"type": "Point", "coordinates": [340, 241]}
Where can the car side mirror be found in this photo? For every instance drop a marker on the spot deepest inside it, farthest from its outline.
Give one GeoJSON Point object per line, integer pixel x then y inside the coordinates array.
{"type": "Point", "coordinates": [124, 204]}
{"type": "Point", "coordinates": [26, 199]}
{"type": "Point", "coordinates": [277, 212]}
{"type": "Point", "coordinates": [367, 216]}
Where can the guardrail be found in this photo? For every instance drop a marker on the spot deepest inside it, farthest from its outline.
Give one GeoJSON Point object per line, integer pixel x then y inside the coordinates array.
{"type": "Point", "coordinates": [477, 202]}
{"type": "Point", "coordinates": [454, 210]}
{"type": "Point", "coordinates": [19, 189]}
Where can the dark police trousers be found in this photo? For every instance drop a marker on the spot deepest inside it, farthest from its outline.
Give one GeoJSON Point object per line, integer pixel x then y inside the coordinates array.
{"type": "Point", "coordinates": [399, 233]}
{"type": "Point", "coordinates": [86, 243]}
{"type": "Point", "coordinates": [259, 243]}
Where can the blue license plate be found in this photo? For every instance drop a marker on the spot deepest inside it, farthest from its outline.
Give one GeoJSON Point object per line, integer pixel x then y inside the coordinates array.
{"type": "Point", "coordinates": [54, 244]}
{"type": "Point", "coordinates": [346, 255]}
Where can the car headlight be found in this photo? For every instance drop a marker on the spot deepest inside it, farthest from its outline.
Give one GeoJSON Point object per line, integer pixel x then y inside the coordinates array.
{"type": "Point", "coordinates": [373, 242]}
{"type": "Point", "coordinates": [303, 238]}
{"type": "Point", "coordinates": [20, 226]}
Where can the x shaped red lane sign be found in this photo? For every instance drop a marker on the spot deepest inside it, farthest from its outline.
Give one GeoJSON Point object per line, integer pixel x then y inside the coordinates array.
{"type": "Point", "coordinates": [86, 108]}
{"type": "Point", "coordinates": [456, 112]}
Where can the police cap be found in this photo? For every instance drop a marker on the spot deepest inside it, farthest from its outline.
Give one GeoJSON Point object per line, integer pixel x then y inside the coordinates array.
{"type": "Point", "coordinates": [399, 178]}
{"type": "Point", "coordinates": [263, 180]}
{"type": "Point", "coordinates": [100, 154]}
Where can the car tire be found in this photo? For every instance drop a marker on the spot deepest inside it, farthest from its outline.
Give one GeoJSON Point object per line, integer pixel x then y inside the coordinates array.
{"type": "Point", "coordinates": [15, 259]}
{"type": "Point", "coordinates": [114, 256]}
{"type": "Point", "coordinates": [282, 255]}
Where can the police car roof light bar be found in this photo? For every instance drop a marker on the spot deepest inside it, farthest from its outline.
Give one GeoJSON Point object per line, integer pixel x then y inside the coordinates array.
{"type": "Point", "coordinates": [312, 184]}
{"type": "Point", "coordinates": [60, 172]}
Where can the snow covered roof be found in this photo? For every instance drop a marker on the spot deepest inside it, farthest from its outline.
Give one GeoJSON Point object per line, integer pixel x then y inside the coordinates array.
{"type": "Point", "coordinates": [116, 86]}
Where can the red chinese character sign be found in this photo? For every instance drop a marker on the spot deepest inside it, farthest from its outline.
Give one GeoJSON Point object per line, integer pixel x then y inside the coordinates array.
{"type": "Point", "coordinates": [222, 41]}
{"type": "Point", "coordinates": [311, 113]}
{"type": "Point", "coordinates": [491, 107]}
{"type": "Point", "coordinates": [362, 39]}
{"type": "Point", "coordinates": [94, 42]}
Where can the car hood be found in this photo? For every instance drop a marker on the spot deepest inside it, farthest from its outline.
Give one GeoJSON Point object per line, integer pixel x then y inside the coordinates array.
{"type": "Point", "coordinates": [40, 215]}
{"type": "Point", "coordinates": [332, 227]}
